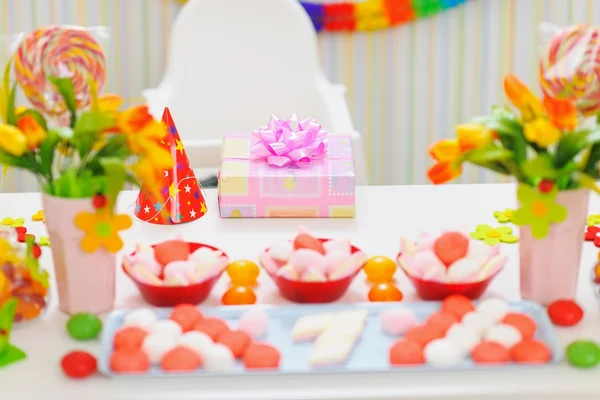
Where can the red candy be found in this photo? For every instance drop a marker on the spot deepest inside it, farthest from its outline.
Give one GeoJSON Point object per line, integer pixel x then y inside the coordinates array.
{"type": "Point", "coordinates": [21, 232]}
{"type": "Point", "coordinates": [78, 364]}
{"type": "Point", "coordinates": [130, 337]}
{"type": "Point", "coordinates": [565, 313]}
{"type": "Point", "coordinates": [99, 201]}
{"type": "Point", "coordinates": [212, 326]}
{"type": "Point", "coordinates": [442, 320]}
{"type": "Point", "coordinates": [171, 250]}
{"type": "Point", "coordinates": [451, 246]}
{"type": "Point", "coordinates": [238, 342]}
{"type": "Point", "coordinates": [490, 353]}
{"type": "Point", "coordinates": [180, 359]}
{"type": "Point", "coordinates": [423, 334]}
{"type": "Point", "coordinates": [406, 352]}
{"type": "Point", "coordinates": [530, 351]}
{"type": "Point", "coordinates": [187, 316]}
{"type": "Point", "coordinates": [305, 241]}
{"type": "Point", "coordinates": [262, 356]}
{"type": "Point", "coordinates": [522, 322]}
{"type": "Point", "coordinates": [129, 361]}
{"type": "Point", "coordinates": [458, 305]}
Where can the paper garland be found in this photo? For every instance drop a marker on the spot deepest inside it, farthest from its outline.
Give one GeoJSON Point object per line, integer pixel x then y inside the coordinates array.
{"type": "Point", "coordinates": [370, 15]}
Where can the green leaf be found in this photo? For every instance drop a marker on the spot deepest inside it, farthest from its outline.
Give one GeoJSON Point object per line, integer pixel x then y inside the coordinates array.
{"type": "Point", "coordinates": [487, 154]}
{"type": "Point", "coordinates": [115, 146]}
{"type": "Point", "coordinates": [540, 167]}
{"type": "Point", "coordinates": [67, 91]}
{"type": "Point", "coordinates": [37, 116]}
{"type": "Point", "coordinates": [572, 144]}
{"type": "Point", "coordinates": [11, 118]}
{"type": "Point", "coordinates": [24, 162]}
{"type": "Point", "coordinates": [72, 184]}
{"type": "Point", "coordinates": [64, 133]}
{"type": "Point", "coordinates": [591, 164]}
{"type": "Point", "coordinates": [114, 169]}
{"type": "Point", "coordinates": [47, 151]}
{"type": "Point", "coordinates": [86, 130]}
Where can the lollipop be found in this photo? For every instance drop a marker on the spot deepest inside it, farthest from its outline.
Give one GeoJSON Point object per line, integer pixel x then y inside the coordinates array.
{"type": "Point", "coordinates": [570, 67]}
{"type": "Point", "coordinates": [63, 52]}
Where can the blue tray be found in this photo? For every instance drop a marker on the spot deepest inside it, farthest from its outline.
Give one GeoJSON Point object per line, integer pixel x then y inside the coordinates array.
{"type": "Point", "coordinates": [370, 354]}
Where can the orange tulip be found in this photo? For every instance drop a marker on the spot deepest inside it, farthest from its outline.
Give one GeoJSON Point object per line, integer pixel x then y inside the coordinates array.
{"type": "Point", "coordinates": [445, 152]}
{"type": "Point", "coordinates": [109, 102]}
{"type": "Point", "coordinates": [522, 98]}
{"type": "Point", "coordinates": [472, 136]}
{"type": "Point", "coordinates": [33, 131]}
{"type": "Point", "coordinates": [562, 112]}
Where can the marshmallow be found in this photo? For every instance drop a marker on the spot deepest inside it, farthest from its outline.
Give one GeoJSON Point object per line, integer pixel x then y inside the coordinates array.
{"type": "Point", "coordinates": [169, 328]}
{"type": "Point", "coordinates": [337, 246]}
{"type": "Point", "coordinates": [282, 252]}
{"type": "Point", "coordinates": [197, 341]}
{"type": "Point", "coordinates": [205, 257]}
{"type": "Point", "coordinates": [156, 345]}
{"type": "Point", "coordinates": [218, 358]}
{"type": "Point", "coordinates": [312, 274]}
{"type": "Point", "coordinates": [491, 267]}
{"type": "Point", "coordinates": [407, 247]}
{"type": "Point", "coordinates": [478, 251]}
{"type": "Point", "coordinates": [141, 274]}
{"type": "Point", "coordinates": [301, 259]}
{"type": "Point", "coordinates": [428, 266]}
{"type": "Point", "coordinates": [462, 270]}
{"type": "Point", "coordinates": [143, 318]}
{"type": "Point", "coordinates": [184, 269]}
{"type": "Point", "coordinates": [288, 272]}
{"type": "Point", "coordinates": [396, 321]}
{"type": "Point", "coordinates": [443, 353]}
{"type": "Point", "coordinates": [254, 323]}
{"type": "Point", "coordinates": [425, 243]}
{"type": "Point", "coordinates": [493, 309]}
{"type": "Point", "coordinates": [465, 337]}
{"type": "Point", "coordinates": [268, 263]}
{"type": "Point", "coordinates": [506, 335]}
{"type": "Point", "coordinates": [476, 322]}
{"type": "Point", "coordinates": [176, 280]}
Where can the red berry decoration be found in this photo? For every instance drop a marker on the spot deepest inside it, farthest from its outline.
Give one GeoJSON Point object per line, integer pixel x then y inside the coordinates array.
{"type": "Point", "coordinates": [545, 186]}
{"type": "Point", "coordinates": [565, 313]}
{"type": "Point", "coordinates": [99, 201]}
{"type": "Point", "coordinates": [78, 364]}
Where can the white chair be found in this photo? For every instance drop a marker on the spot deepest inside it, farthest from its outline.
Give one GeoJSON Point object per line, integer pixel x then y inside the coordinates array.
{"type": "Point", "coordinates": [233, 63]}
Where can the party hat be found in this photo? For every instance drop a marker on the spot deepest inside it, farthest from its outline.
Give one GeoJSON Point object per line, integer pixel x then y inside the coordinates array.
{"type": "Point", "coordinates": [181, 198]}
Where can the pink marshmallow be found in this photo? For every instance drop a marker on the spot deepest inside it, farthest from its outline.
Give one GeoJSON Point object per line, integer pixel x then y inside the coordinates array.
{"type": "Point", "coordinates": [144, 259]}
{"type": "Point", "coordinates": [333, 261]}
{"type": "Point", "coordinates": [268, 262]}
{"type": "Point", "coordinates": [397, 321]}
{"type": "Point", "coordinates": [462, 270]}
{"type": "Point", "coordinates": [254, 323]}
{"type": "Point", "coordinates": [425, 243]}
{"type": "Point", "coordinates": [337, 247]}
{"type": "Point", "coordinates": [428, 265]}
{"type": "Point", "coordinates": [288, 272]}
{"type": "Point", "coordinates": [182, 269]}
{"type": "Point", "coordinates": [304, 258]}
{"type": "Point", "coordinates": [312, 274]}
{"type": "Point", "coordinates": [141, 274]}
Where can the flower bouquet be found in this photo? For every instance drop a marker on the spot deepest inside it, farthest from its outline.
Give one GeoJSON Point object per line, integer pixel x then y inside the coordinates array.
{"type": "Point", "coordinates": [551, 146]}
{"type": "Point", "coordinates": [82, 159]}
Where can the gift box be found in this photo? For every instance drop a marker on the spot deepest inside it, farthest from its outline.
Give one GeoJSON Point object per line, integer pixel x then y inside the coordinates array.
{"type": "Point", "coordinates": [295, 171]}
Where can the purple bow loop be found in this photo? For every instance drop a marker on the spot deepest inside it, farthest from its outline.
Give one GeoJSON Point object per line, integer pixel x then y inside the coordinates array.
{"type": "Point", "coordinates": [289, 142]}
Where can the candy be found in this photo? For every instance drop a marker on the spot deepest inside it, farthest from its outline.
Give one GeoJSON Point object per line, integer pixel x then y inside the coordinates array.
{"type": "Point", "coordinates": [239, 295]}
{"type": "Point", "coordinates": [183, 270]}
{"type": "Point", "coordinates": [476, 322]}
{"type": "Point", "coordinates": [490, 353]}
{"type": "Point", "coordinates": [129, 337]}
{"type": "Point", "coordinates": [428, 266]}
{"type": "Point", "coordinates": [442, 353]}
{"type": "Point", "coordinates": [524, 324]}
{"type": "Point", "coordinates": [530, 351]}
{"type": "Point", "coordinates": [478, 251]}
{"type": "Point", "coordinates": [180, 359]}
{"type": "Point", "coordinates": [423, 334]}
{"type": "Point", "coordinates": [282, 252]}
{"type": "Point", "coordinates": [129, 361]}
{"type": "Point", "coordinates": [236, 341]}
{"type": "Point", "coordinates": [583, 354]}
{"type": "Point", "coordinates": [143, 318]}
{"type": "Point", "coordinates": [306, 241]}
{"type": "Point", "coordinates": [341, 247]}
{"type": "Point", "coordinates": [261, 356]}
{"type": "Point", "coordinates": [465, 337]}
{"type": "Point", "coordinates": [443, 320]}
{"type": "Point", "coordinates": [243, 272]}
{"type": "Point", "coordinates": [187, 316]}
{"type": "Point", "coordinates": [565, 313]}
{"type": "Point", "coordinates": [197, 341]}
{"type": "Point", "coordinates": [335, 333]}
{"type": "Point", "coordinates": [156, 345]}
{"type": "Point", "coordinates": [269, 263]}
{"type": "Point", "coordinates": [84, 326]}
{"type": "Point", "coordinates": [59, 51]}
{"type": "Point", "coordinates": [304, 258]}
{"type": "Point", "coordinates": [407, 247]}
{"type": "Point", "coordinates": [462, 270]}
{"type": "Point", "coordinates": [405, 352]}
{"type": "Point", "coordinates": [493, 309]}
{"type": "Point", "coordinates": [141, 274]}
{"type": "Point", "coordinates": [396, 321]}
{"type": "Point", "coordinates": [450, 247]}
{"type": "Point", "coordinates": [506, 335]}
{"type": "Point", "coordinates": [425, 243]}
{"type": "Point", "coordinates": [458, 305]}
{"type": "Point", "coordinates": [385, 292]}
{"type": "Point", "coordinates": [213, 327]}
{"type": "Point", "coordinates": [145, 260]}
{"type": "Point", "coordinates": [288, 272]}
{"type": "Point", "coordinates": [308, 327]}
{"type": "Point", "coordinates": [78, 364]}
{"type": "Point", "coordinates": [38, 216]}
{"type": "Point", "coordinates": [205, 257]}
{"type": "Point", "coordinates": [169, 328]}
{"type": "Point", "coordinates": [331, 353]}
{"type": "Point", "coordinates": [312, 274]}
{"type": "Point", "coordinates": [380, 269]}
{"type": "Point", "coordinates": [254, 323]}
{"type": "Point", "coordinates": [350, 317]}
{"type": "Point", "coordinates": [171, 250]}
{"type": "Point", "coordinates": [218, 358]}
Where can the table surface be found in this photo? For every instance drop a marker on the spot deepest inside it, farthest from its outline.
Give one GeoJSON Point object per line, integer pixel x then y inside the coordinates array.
{"type": "Point", "coordinates": [383, 214]}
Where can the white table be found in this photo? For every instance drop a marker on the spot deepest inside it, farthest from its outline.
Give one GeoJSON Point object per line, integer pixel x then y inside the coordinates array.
{"type": "Point", "coordinates": [383, 214]}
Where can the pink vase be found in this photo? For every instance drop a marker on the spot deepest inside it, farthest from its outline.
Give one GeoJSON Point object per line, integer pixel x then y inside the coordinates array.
{"type": "Point", "coordinates": [550, 266]}
{"type": "Point", "coordinates": [85, 281]}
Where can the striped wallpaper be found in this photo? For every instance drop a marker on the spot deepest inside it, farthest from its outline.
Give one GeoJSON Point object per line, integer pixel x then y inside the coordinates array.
{"type": "Point", "coordinates": [407, 86]}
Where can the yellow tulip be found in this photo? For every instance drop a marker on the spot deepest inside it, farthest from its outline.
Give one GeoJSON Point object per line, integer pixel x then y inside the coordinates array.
{"type": "Point", "coordinates": [472, 136]}
{"type": "Point", "coordinates": [33, 131]}
{"type": "Point", "coordinates": [523, 99]}
{"type": "Point", "coordinates": [445, 152]}
{"type": "Point", "coordinates": [109, 102]}
{"type": "Point", "coordinates": [140, 128]}
{"type": "Point", "coordinates": [541, 132]}
{"type": "Point", "coordinates": [12, 140]}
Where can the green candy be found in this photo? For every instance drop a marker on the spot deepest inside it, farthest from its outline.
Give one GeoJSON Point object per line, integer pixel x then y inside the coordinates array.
{"type": "Point", "coordinates": [84, 326]}
{"type": "Point", "coordinates": [583, 354]}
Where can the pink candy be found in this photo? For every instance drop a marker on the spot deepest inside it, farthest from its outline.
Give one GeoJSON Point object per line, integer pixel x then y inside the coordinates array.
{"type": "Point", "coordinates": [184, 269]}
{"type": "Point", "coordinates": [397, 321]}
{"type": "Point", "coordinates": [254, 323]}
{"type": "Point", "coordinates": [304, 258]}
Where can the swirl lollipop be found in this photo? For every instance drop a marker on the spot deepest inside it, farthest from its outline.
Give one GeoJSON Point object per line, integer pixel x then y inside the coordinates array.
{"type": "Point", "coordinates": [58, 51]}
{"type": "Point", "coordinates": [570, 67]}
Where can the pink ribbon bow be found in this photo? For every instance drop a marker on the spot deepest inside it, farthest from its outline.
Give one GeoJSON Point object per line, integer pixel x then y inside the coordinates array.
{"type": "Point", "coordinates": [289, 142]}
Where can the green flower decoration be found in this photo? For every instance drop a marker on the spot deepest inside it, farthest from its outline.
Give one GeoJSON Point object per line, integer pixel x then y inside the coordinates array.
{"type": "Point", "coordinates": [504, 216]}
{"type": "Point", "coordinates": [493, 236]}
{"type": "Point", "coordinates": [593, 219]}
{"type": "Point", "coordinates": [538, 210]}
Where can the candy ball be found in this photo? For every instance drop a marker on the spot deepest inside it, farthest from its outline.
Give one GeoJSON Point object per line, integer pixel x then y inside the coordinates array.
{"type": "Point", "coordinates": [205, 257]}
{"type": "Point", "coordinates": [462, 270]}
{"type": "Point", "coordinates": [306, 241]}
{"type": "Point", "coordinates": [380, 269]}
{"type": "Point", "coordinates": [583, 354]}
{"type": "Point", "coordinates": [443, 353]}
{"type": "Point", "coordinates": [506, 335]}
{"type": "Point", "coordinates": [443, 320]}
{"type": "Point", "coordinates": [180, 359]}
{"type": "Point", "coordinates": [197, 341]}
{"type": "Point", "coordinates": [84, 326]}
{"type": "Point", "coordinates": [144, 318]}
{"type": "Point", "coordinates": [478, 251]}
{"type": "Point", "coordinates": [243, 272]}
{"type": "Point", "coordinates": [530, 351]}
{"type": "Point", "coordinates": [187, 316]}
{"type": "Point", "coordinates": [176, 269]}
{"type": "Point", "coordinates": [212, 327]}
{"type": "Point", "coordinates": [239, 295]}
{"type": "Point", "coordinates": [254, 323]}
{"type": "Point", "coordinates": [236, 341]}
{"type": "Point", "coordinates": [427, 265]}
{"type": "Point", "coordinates": [458, 305]}
{"type": "Point", "coordinates": [565, 313]}
{"type": "Point", "coordinates": [424, 334]}
{"type": "Point", "coordinates": [78, 364]}
{"type": "Point", "coordinates": [493, 309]}
{"type": "Point", "coordinates": [337, 246]}
{"type": "Point", "coordinates": [156, 345]}
{"type": "Point", "coordinates": [262, 356]}
{"type": "Point", "coordinates": [282, 252]}
{"type": "Point", "coordinates": [397, 321]}
{"type": "Point", "coordinates": [450, 247]}
{"type": "Point", "coordinates": [312, 274]}
{"type": "Point", "coordinates": [477, 323]}
{"type": "Point", "coordinates": [304, 258]}
{"type": "Point", "coordinates": [385, 292]}
{"type": "Point", "coordinates": [171, 250]}
{"type": "Point", "coordinates": [465, 337]}
{"type": "Point", "coordinates": [168, 328]}
{"type": "Point", "coordinates": [405, 352]}
{"type": "Point", "coordinates": [129, 361]}
{"type": "Point", "coordinates": [525, 324]}
{"type": "Point", "coordinates": [490, 353]}
{"type": "Point", "coordinates": [218, 358]}
{"type": "Point", "coordinates": [130, 337]}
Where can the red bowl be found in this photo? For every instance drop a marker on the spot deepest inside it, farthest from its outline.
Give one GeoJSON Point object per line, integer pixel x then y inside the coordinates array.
{"type": "Point", "coordinates": [313, 292]}
{"type": "Point", "coordinates": [170, 296]}
{"type": "Point", "coordinates": [437, 291]}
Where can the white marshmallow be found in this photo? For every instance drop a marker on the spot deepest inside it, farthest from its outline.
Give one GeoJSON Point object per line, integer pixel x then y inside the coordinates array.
{"type": "Point", "coordinates": [282, 252]}
{"type": "Point", "coordinates": [218, 358]}
{"type": "Point", "coordinates": [478, 251]}
{"type": "Point", "coordinates": [254, 323]}
{"type": "Point", "coordinates": [157, 345]}
{"type": "Point", "coordinates": [465, 337]}
{"type": "Point", "coordinates": [205, 257]}
{"type": "Point", "coordinates": [506, 335]}
{"type": "Point", "coordinates": [461, 270]}
{"type": "Point", "coordinates": [477, 323]}
{"type": "Point", "coordinates": [493, 309]}
{"type": "Point", "coordinates": [197, 341]}
{"type": "Point", "coordinates": [443, 353]}
{"type": "Point", "coordinates": [143, 318]}
{"type": "Point", "coordinates": [340, 247]}
{"type": "Point", "coordinates": [168, 327]}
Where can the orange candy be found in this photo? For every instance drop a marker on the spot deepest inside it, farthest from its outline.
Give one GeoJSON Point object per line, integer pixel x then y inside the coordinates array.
{"type": "Point", "coordinates": [129, 338]}
{"type": "Point", "coordinates": [238, 342]}
{"type": "Point", "coordinates": [187, 316]}
{"type": "Point", "coordinates": [385, 292]}
{"type": "Point", "coordinates": [458, 305]}
{"type": "Point", "coordinates": [212, 326]}
{"type": "Point", "coordinates": [406, 352]}
{"type": "Point", "coordinates": [129, 361]}
{"type": "Point", "coordinates": [525, 325]}
{"type": "Point", "coordinates": [442, 320]}
{"type": "Point", "coordinates": [490, 353]}
{"type": "Point", "coordinates": [243, 272]}
{"type": "Point", "coordinates": [451, 246]}
{"type": "Point", "coordinates": [171, 250]}
{"type": "Point", "coordinates": [239, 295]}
{"type": "Point", "coordinates": [261, 356]}
{"type": "Point", "coordinates": [305, 241]}
{"type": "Point", "coordinates": [530, 351]}
{"type": "Point", "coordinates": [180, 359]}
{"type": "Point", "coordinates": [423, 334]}
{"type": "Point", "coordinates": [380, 269]}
